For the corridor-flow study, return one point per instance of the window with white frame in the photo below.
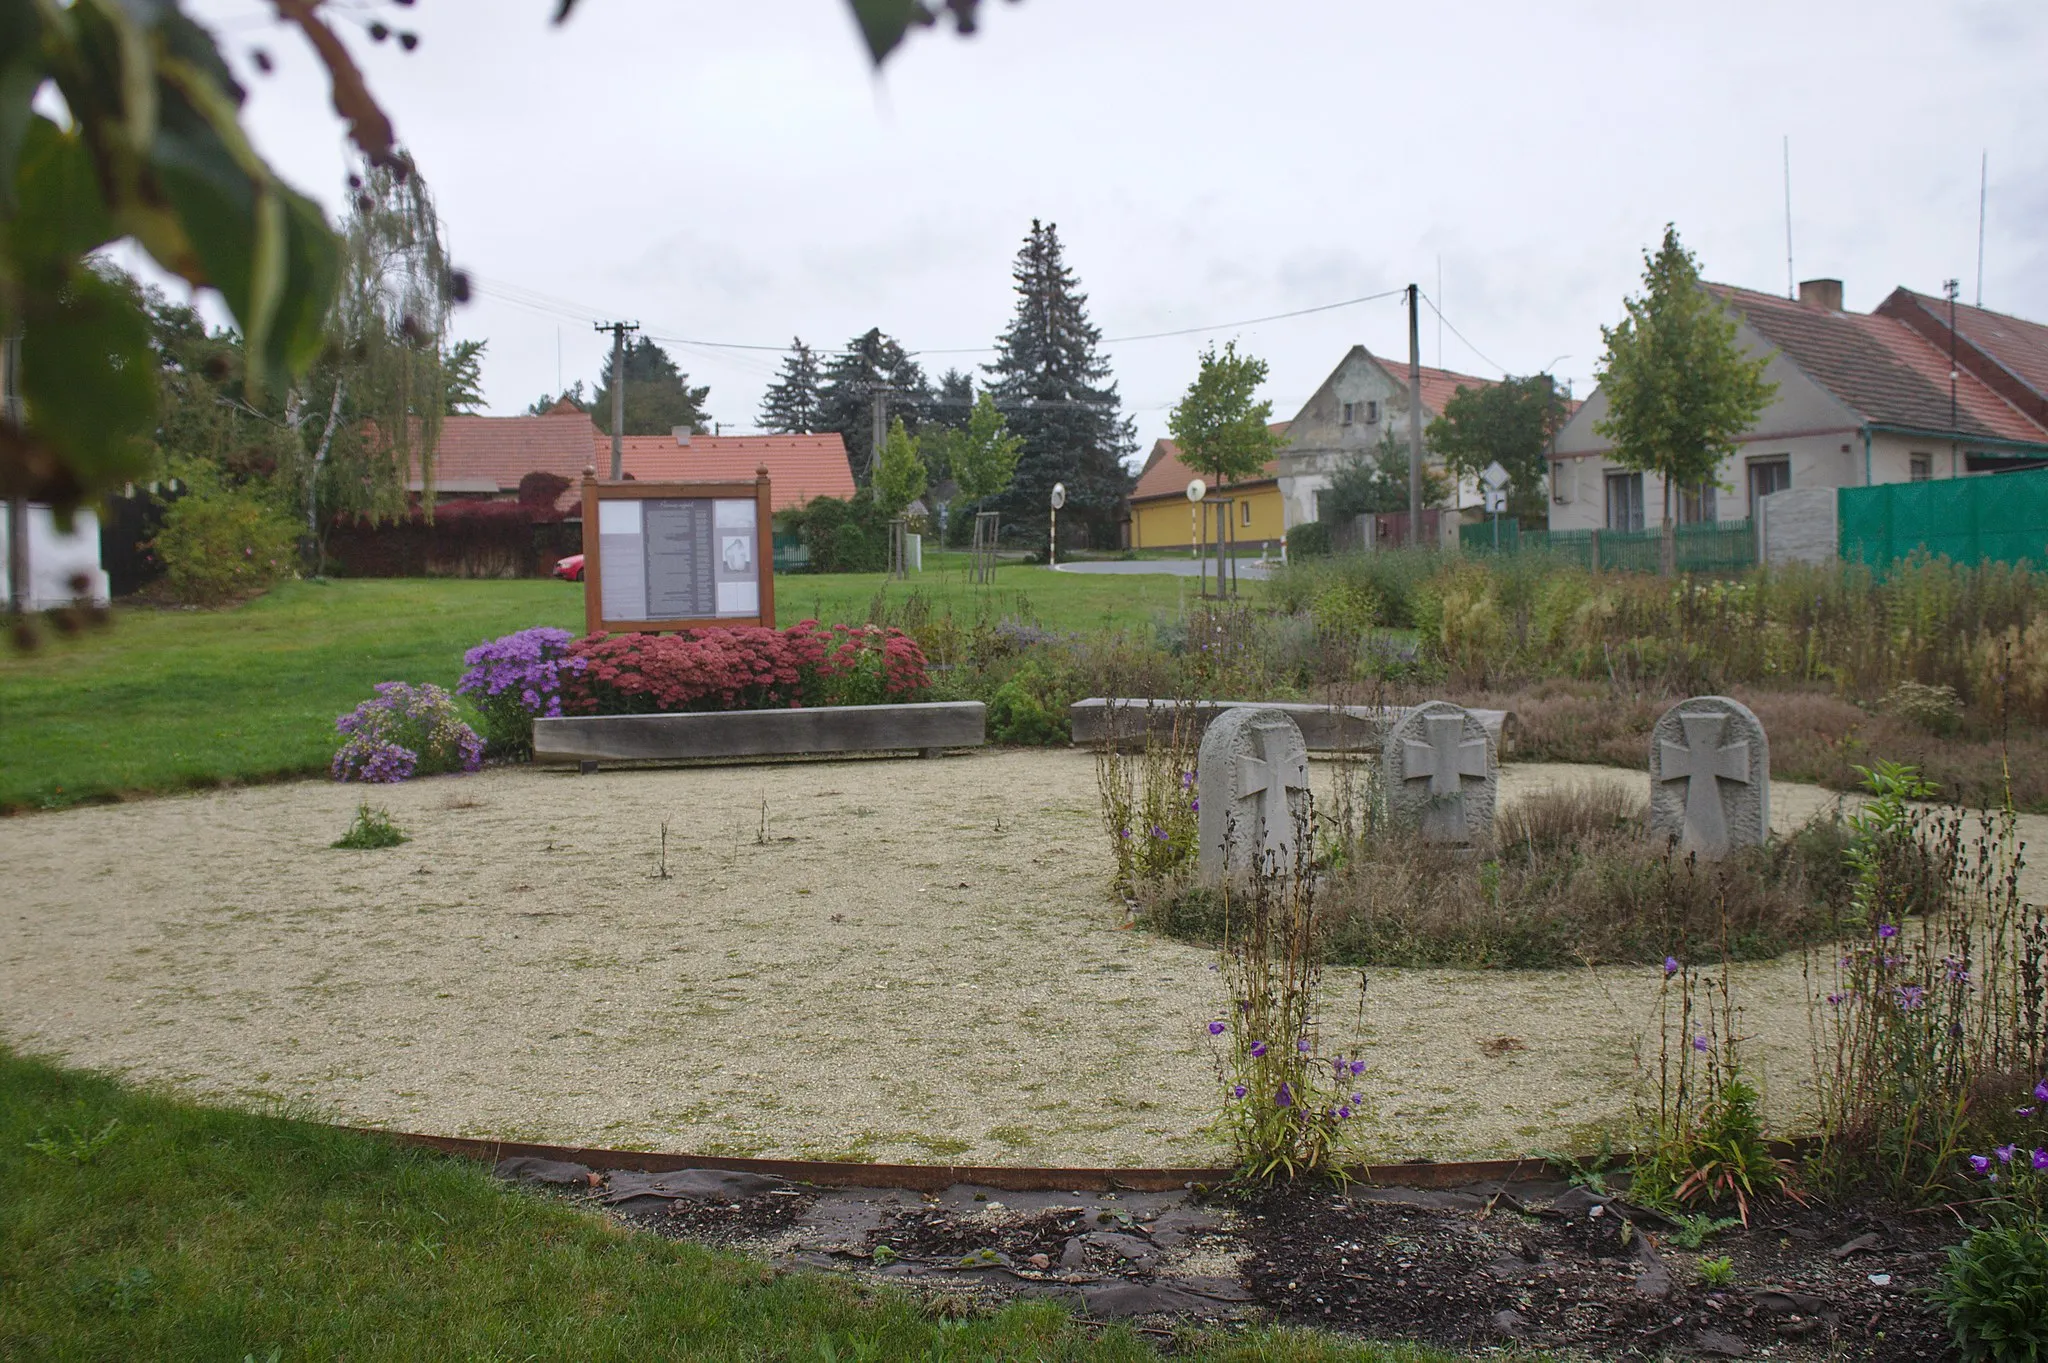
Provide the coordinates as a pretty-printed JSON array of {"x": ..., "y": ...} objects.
[{"x": 1919, "y": 468}]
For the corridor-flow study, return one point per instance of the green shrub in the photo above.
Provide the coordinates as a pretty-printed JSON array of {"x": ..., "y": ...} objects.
[
  {"x": 1937, "y": 709},
  {"x": 842, "y": 536},
  {"x": 1311, "y": 539},
  {"x": 1030, "y": 708},
  {"x": 371, "y": 829},
  {"x": 219, "y": 543},
  {"x": 1995, "y": 1290}
]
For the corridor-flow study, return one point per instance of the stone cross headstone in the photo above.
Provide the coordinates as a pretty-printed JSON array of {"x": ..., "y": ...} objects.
[
  {"x": 1252, "y": 782},
  {"x": 1710, "y": 777},
  {"x": 1442, "y": 774}
]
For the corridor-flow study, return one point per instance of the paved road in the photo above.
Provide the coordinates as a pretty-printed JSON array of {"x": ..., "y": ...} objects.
[{"x": 1172, "y": 567}]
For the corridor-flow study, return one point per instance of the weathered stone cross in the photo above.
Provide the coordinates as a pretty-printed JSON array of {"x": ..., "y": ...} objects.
[
  {"x": 1444, "y": 761},
  {"x": 1272, "y": 776},
  {"x": 1703, "y": 764}
]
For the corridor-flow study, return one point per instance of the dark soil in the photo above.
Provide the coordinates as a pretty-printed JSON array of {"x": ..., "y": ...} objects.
[{"x": 1489, "y": 1267}]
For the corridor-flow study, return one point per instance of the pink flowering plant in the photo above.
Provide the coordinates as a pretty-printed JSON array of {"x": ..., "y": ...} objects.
[
  {"x": 515, "y": 679},
  {"x": 402, "y": 732}
]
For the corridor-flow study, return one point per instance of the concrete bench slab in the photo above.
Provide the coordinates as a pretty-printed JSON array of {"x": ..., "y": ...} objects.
[
  {"x": 924, "y": 726},
  {"x": 1325, "y": 728}
]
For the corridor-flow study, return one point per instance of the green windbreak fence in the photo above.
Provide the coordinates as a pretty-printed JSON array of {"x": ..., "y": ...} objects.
[
  {"x": 1993, "y": 518},
  {"x": 1716, "y": 547}
]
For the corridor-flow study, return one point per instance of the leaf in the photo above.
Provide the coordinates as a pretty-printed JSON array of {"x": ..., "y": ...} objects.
[
  {"x": 62, "y": 214},
  {"x": 21, "y": 72},
  {"x": 884, "y": 22},
  {"x": 88, "y": 385}
]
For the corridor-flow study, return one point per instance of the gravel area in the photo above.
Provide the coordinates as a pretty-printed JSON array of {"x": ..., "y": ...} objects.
[{"x": 884, "y": 959}]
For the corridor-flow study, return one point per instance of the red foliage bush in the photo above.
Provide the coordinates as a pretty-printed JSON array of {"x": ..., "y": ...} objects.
[{"x": 743, "y": 668}]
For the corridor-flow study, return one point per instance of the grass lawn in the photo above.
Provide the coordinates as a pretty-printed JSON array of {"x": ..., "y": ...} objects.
[
  {"x": 149, "y": 1228},
  {"x": 164, "y": 700}
]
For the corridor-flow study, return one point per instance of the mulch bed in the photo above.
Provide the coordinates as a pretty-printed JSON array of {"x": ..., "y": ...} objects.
[{"x": 1537, "y": 1264}]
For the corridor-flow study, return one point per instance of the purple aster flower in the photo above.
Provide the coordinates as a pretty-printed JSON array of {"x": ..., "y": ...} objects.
[
  {"x": 1911, "y": 996},
  {"x": 1187, "y": 778},
  {"x": 1237, "y": 1090},
  {"x": 1838, "y": 999},
  {"x": 1302, "y": 1046},
  {"x": 1258, "y": 1050},
  {"x": 1670, "y": 966},
  {"x": 1981, "y": 1163},
  {"x": 2041, "y": 1090},
  {"x": 2026, "y": 1111},
  {"x": 1337, "y": 1066},
  {"x": 1195, "y": 805},
  {"x": 1357, "y": 1097},
  {"x": 2004, "y": 1153},
  {"x": 1700, "y": 1044},
  {"x": 1123, "y": 832},
  {"x": 1158, "y": 832},
  {"x": 2040, "y": 1158},
  {"x": 1343, "y": 1113},
  {"x": 1285, "y": 1097},
  {"x": 1358, "y": 1067},
  {"x": 1215, "y": 1029},
  {"x": 1887, "y": 931}
]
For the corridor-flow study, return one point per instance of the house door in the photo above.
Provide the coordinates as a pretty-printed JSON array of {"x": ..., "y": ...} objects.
[{"x": 1767, "y": 476}]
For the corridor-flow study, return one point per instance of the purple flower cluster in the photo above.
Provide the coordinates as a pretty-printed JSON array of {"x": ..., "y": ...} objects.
[
  {"x": 515, "y": 679},
  {"x": 402, "y": 732}
]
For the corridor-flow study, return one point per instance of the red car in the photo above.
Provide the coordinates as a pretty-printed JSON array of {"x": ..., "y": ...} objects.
[{"x": 570, "y": 569}]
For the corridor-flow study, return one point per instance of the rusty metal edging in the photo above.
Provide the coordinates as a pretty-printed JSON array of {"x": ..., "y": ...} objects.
[{"x": 933, "y": 1178}]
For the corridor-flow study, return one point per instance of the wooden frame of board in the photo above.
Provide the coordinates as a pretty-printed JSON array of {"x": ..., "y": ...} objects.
[{"x": 597, "y": 492}]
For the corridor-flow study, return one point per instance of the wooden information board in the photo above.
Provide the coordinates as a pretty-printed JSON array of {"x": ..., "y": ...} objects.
[{"x": 667, "y": 556}]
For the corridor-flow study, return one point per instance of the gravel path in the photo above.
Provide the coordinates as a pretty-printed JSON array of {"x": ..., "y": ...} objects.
[{"x": 908, "y": 960}]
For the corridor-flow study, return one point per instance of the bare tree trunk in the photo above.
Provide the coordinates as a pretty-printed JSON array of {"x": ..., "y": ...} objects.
[{"x": 320, "y": 452}]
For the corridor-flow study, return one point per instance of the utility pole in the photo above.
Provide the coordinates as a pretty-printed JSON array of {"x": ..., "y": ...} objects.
[
  {"x": 618, "y": 331},
  {"x": 17, "y": 507},
  {"x": 1414, "y": 415},
  {"x": 879, "y": 409}
]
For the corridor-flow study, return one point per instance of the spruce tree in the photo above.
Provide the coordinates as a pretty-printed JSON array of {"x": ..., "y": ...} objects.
[
  {"x": 846, "y": 399},
  {"x": 1055, "y": 390},
  {"x": 659, "y": 397},
  {"x": 791, "y": 404}
]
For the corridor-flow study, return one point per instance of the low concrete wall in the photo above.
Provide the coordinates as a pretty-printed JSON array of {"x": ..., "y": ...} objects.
[
  {"x": 1797, "y": 526},
  {"x": 923, "y": 727},
  {"x": 1324, "y": 728}
]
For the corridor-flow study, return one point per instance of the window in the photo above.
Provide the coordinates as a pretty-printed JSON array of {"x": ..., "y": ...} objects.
[
  {"x": 1624, "y": 501},
  {"x": 1246, "y": 517},
  {"x": 1316, "y": 504},
  {"x": 1767, "y": 476},
  {"x": 1697, "y": 505},
  {"x": 1372, "y": 413},
  {"x": 1349, "y": 409},
  {"x": 1920, "y": 468}
]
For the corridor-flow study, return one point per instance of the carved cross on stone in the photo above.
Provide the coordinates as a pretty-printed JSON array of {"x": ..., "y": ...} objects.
[
  {"x": 1710, "y": 777},
  {"x": 1446, "y": 747},
  {"x": 1252, "y": 777},
  {"x": 1702, "y": 763}
]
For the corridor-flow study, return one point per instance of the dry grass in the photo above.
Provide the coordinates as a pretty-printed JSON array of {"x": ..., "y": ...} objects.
[
  {"x": 1575, "y": 878},
  {"x": 1815, "y": 735}
]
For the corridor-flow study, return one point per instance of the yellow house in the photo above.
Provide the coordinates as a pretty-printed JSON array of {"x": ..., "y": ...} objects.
[{"x": 1162, "y": 518}]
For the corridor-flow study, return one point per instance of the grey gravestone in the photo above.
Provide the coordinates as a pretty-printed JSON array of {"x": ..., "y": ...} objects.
[
  {"x": 1710, "y": 777},
  {"x": 1252, "y": 781},
  {"x": 1442, "y": 774}
]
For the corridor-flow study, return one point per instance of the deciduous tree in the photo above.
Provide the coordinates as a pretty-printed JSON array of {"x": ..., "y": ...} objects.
[
  {"x": 1679, "y": 388},
  {"x": 1220, "y": 427},
  {"x": 899, "y": 477},
  {"x": 1512, "y": 423}
]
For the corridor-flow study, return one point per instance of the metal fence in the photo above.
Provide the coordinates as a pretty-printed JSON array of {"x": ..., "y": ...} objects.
[
  {"x": 1998, "y": 518},
  {"x": 1713, "y": 547}
]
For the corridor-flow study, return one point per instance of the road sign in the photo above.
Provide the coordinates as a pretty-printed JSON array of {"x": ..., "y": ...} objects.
[{"x": 1494, "y": 476}]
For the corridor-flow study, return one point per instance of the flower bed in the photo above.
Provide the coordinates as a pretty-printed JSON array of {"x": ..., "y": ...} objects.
[
  {"x": 546, "y": 674},
  {"x": 402, "y": 732}
]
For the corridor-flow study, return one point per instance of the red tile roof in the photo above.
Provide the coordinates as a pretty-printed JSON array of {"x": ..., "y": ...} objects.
[
  {"x": 481, "y": 453},
  {"x": 1881, "y": 368},
  {"x": 800, "y": 467},
  {"x": 492, "y": 453},
  {"x": 2010, "y": 353},
  {"x": 1166, "y": 475},
  {"x": 1439, "y": 386}
]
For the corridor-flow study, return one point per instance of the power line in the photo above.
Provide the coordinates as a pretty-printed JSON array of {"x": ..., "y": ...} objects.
[
  {"x": 1188, "y": 331},
  {"x": 1461, "y": 336}
]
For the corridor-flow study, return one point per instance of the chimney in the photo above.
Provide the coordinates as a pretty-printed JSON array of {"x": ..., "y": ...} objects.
[
  {"x": 1825, "y": 294},
  {"x": 682, "y": 433}
]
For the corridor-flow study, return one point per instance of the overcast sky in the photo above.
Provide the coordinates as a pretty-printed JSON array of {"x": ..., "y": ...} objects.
[{"x": 733, "y": 172}]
